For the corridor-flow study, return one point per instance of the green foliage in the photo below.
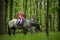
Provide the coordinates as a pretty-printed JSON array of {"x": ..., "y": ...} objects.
[
  {"x": 31, "y": 10},
  {"x": 53, "y": 9}
]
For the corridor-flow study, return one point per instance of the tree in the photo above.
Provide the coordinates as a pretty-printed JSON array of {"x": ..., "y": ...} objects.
[
  {"x": 59, "y": 16},
  {"x": 6, "y": 12},
  {"x": 50, "y": 20},
  {"x": 54, "y": 17},
  {"x": 47, "y": 33},
  {"x": 25, "y": 6},
  {"x": 11, "y": 9},
  {"x": 16, "y": 9},
  {"x": 40, "y": 7},
  {"x": 36, "y": 9},
  {"x": 30, "y": 9},
  {"x": 2, "y": 17}
]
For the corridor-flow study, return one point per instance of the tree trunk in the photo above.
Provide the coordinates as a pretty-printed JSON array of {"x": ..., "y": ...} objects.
[
  {"x": 40, "y": 6},
  {"x": 11, "y": 9},
  {"x": 47, "y": 33},
  {"x": 6, "y": 13},
  {"x": 59, "y": 16},
  {"x": 50, "y": 17},
  {"x": 30, "y": 10},
  {"x": 36, "y": 9},
  {"x": 25, "y": 6},
  {"x": 44, "y": 4},
  {"x": 2, "y": 17},
  {"x": 54, "y": 18}
]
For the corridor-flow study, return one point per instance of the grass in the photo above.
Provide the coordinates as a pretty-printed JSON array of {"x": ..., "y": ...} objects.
[
  {"x": 54, "y": 36},
  {"x": 29, "y": 36}
]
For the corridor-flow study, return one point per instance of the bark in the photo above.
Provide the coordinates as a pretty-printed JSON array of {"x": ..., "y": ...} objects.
[
  {"x": 47, "y": 33},
  {"x": 2, "y": 17},
  {"x": 6, "y": 13},
  {"x": 11, "y": 9},
  {"x": 59, "y": 16}
]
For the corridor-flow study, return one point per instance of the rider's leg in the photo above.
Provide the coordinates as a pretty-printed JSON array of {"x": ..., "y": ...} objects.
[{"x": 17, "y": 21}]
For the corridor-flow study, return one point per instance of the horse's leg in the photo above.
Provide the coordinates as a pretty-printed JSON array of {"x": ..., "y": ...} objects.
[
  {"x": 32, "y": 29},
  {"x": 9, "y": 31},
  {"x": 24, "y": 26},
  {"x": 40, "y": 28},
  {"x": 36, "y": 27},
  {"x": 14, "y": 29},
  {"x": 24, "y": 30}
]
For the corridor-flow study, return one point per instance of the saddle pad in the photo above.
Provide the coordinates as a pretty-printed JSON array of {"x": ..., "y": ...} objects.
[{"x": 19, "y": 22}]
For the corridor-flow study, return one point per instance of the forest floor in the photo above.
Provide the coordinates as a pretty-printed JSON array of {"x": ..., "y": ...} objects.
[{"x": 29, "y": 36}]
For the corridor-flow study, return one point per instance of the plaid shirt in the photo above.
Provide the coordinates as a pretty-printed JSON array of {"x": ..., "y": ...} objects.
[{"x": 21, "y": 16}]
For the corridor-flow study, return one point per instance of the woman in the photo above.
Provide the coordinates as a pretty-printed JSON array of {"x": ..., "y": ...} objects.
[
  {"x": 33, "y": 18},
  {"x": 21, "y": 18}
]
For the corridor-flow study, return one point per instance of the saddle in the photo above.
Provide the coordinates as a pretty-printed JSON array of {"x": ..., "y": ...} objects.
[{"x": 20, "y": 22}]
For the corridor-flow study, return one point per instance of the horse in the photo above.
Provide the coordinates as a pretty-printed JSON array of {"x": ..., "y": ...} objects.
[
  {"x": 27, "y": 24},
  {"x": 13, "y": 26}
]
